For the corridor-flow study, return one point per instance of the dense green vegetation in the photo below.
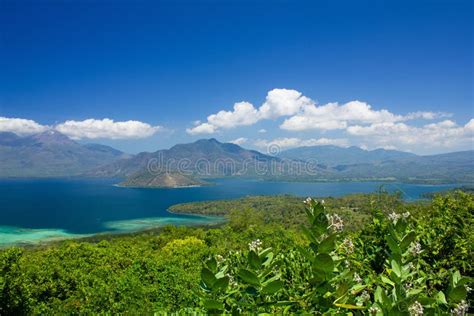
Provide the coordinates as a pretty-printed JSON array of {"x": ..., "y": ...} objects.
[{"x": 363, "y": 254}]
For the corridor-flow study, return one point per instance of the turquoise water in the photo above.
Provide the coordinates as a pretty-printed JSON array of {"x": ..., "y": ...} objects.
[{"x": 38, "y": 209}]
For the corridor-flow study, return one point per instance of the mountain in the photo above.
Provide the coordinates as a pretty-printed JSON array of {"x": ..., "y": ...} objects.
[
  {"x": 50, "y": 154},
  {"x": 205, "y": 158},
  {"x": 354, "y": 163},
  {"x": 333, "y": 155},
  {"x": 162, "y": 180}
]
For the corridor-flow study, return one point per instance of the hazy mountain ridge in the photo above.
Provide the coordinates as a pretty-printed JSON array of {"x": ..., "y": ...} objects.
[
  {"x": 331, "y": 155},
  {"x": 456, "y": 167},
  {"x": 50, "y": 154},
  {"x": 205, "y": 158},
  {"x": 53, "y": 154}
]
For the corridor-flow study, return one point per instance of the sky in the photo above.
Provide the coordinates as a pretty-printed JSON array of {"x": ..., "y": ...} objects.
[{"x": 142, "y": 76}]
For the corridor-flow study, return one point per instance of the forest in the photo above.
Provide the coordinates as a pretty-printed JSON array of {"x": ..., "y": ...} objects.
[{"x": 363, "y": 254}]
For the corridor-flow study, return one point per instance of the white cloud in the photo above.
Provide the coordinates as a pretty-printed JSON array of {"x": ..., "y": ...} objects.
[
  {"x": 106, "y": 128},
  {"x": 262, "y": 131},
  {"x": 303, "y": 114},
  {"x": 334, "y": 116},
  {"x": 283, "y": 102},
  {"x": 291, "y": 142},
  {"x": 244, "y": 113},
  {"x": 279, "y": 102},
  {"x": 426, "y": 115},
  {"x": 239, "y": 141},
  {"x": 445, "y": 134},
  {"x": 204, "y": 128},
  {"x": 21, "y": 126}
]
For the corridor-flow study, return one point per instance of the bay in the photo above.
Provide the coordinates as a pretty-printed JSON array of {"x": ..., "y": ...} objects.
[{"x": 34, "y": 210}]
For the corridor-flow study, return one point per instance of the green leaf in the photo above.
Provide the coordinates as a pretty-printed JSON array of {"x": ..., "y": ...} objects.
[
  {"x": 272, "y": 287},
  {"x": 268, "y": 259},
  {"x": 407, "y": 240},
  {"x": 458, "y": 293},
  {"x": 265, "y": 252},
  {"x": 309, "y": 234},
  {"x": 254, "y": 260},
  {"x": 324, "y": 262},
  {"x": 392, "y": 244},
  {"x": 221, "y": 284},
  {"x": 396, "y": 268},
  {"x": 414, "y": 292},
  {"x": 320, "y": 224},
  {"x": 401, "y": 226},
  {"x": 212, "y": 264},
  {"x": 441, "y": 298},
  {"x": 456, "y": 276},
  {"x": 380, "y": 296},
  {"x": 350, "y": 306},
  {"x": 327, "y": 245},
  {"x": 208, "y": 277},
  {"x": 249, "y": 277},
  {"x": 213, "y": 305},
  {"x": 387, "y": 280}
]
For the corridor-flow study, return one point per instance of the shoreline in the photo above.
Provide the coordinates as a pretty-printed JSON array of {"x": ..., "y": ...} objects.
[{"x": 40, "y": 242}]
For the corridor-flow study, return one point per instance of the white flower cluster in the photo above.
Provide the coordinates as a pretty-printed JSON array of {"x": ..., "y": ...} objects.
[
  {"x": 337, "y": 224},
  {"x": 255, "y": 245},
  {"x": 365, "y": 296},
  {"x": 415, "y": 248},
  {"x": 348, "y": 246},
  {"x": 308, "y": 201},
  {"x": 373, "y": 310},
  {"x": 416, "y": 309},
  {"x": 461, "y": 309},
  {"x": 220, "y": 259},
  {"x": 232, "y": 281},
  {"x": 394, "y": 217},
  {"x": 357, "y": 278}
]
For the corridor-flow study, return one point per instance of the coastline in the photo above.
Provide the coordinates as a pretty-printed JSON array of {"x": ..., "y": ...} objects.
[{"x": 149, "y": 225}]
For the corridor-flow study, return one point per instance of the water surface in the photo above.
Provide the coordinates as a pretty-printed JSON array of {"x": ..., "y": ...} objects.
[{"x": 40, "y": 209}]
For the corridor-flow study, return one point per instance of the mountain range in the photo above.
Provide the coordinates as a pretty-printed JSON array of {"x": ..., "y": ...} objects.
[
  {"x": 331, "y": 155},
  {"x": 52, "y": 154}
]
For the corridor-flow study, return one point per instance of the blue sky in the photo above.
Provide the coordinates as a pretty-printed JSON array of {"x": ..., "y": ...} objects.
[{"x": 169, "y": 64}]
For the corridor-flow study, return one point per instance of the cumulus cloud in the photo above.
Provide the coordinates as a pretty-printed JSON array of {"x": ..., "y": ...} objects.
[
  {"x": 106, "y": 128},
  {"x": 303, "y": 114},
  {"x": 239, "y": 141},
  {"x": 334, "y": 116},
  {"x": 204, "y": 128},
  {"x": 426, "y": 115},
  {"x": 291, "y": 142},
  {"x": 21, "y": 126},
  {"x": 244, "y": 113},
  {"x": 283, "y": 102},
  {"x": 444, "y": 134},
  {"x": 279, "y": 102},
  {"x": 262, "y": 131}
]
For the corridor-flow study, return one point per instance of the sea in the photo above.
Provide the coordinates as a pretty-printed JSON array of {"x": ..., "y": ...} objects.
[{"x": 33, "y": 211}]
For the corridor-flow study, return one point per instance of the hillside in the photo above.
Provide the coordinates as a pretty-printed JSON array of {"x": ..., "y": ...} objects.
[
  {"x": 162, "y": 180},
  {"x": 205, "y": 158},
  {"x": 50, "y": 154},
  {"x": 333, "y": 155}
]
